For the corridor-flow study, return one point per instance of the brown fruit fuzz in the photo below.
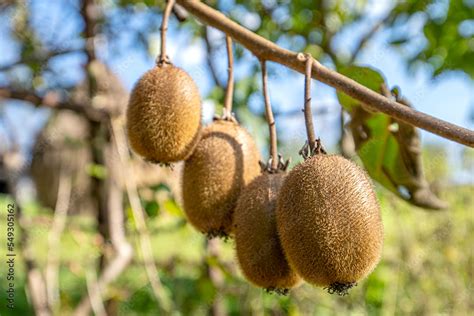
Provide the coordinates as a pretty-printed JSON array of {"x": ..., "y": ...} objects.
[
  {"x": 164, "y": 115},
  {"x": 224, "y": 161},
  {"x": 258, "y": 248},
  {"x": 329, "y": 222}
]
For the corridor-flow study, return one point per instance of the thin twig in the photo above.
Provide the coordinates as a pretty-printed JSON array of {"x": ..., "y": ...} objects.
[
  {"x": 369, "y": 35},
  {"x": 308, "y": 116},
  {"x": 180, "y": 13},
  {"x": 13, "y": 162},
  {"x": 86, "y": 11},
  {"x": 270, "y": 118},
  {"x": 11, "y": 132},
  {"x": 210, "y": 57},
  {"x": 124, "y": 251},
  {"x": 322, "y": 108},
  {"x": 164, "y": 59},
  {"x": 94, "y": 294},
  {"x": 41, "y": 59},
  {"x": 139, "y": 218},
  {"x": 328, "y": 35},
  {"x": 37, "y": 290},
  {"x": 229, "y": 92},
  {"x": 265, "y": 49},
  {"x": 53, "y": 100},
  {"x": 217, "y": 278},
  {"x": 54, "y": 239}
]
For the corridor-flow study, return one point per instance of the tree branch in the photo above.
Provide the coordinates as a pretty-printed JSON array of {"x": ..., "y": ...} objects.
[
  {"x": 107, "y": 193},
  {"x": 40, "y": 58},
  {"x": 116, "y": 227},
  {"x": 308, "y": 115},
  {"x": 161, "y": 295},
  {"x": 209, "y": 57},
  {"x": 87, "y": 11},
  {"x": 163, "y": 57},
  {"x": 369, "y": 35},
  {"x": 52, "y": 100},
  {"x": 270, "y": 119},
  {"x": 229, "y": 91},
  {"x": 14, "y": 166},
  {"x": 54, "y": 239},
  {"x": 97, "y": 302},
  {"x": 180, "y": 13},
  {"x": 265, "y": 49}
]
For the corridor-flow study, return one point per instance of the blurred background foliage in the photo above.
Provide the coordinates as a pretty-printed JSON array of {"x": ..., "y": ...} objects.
[{"x": 427, "y": 267}]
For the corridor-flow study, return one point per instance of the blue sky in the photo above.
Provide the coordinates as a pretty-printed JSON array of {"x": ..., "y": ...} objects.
[{"x": 451, "y": 97}]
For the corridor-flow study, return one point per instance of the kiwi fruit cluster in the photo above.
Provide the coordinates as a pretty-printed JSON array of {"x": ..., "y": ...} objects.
[{"x": 319, "y": 222}]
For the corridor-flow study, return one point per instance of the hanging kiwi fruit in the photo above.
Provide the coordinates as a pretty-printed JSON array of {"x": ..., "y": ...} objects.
[
  {"x": 328, "y": 217},
  {"x": 258, "y": 248},
  {"x": 223, "y": 162},
  {"x": 164, "y": 111}
]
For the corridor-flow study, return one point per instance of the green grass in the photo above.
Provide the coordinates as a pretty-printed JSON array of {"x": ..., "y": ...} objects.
[{"x": 427, "y": 267}]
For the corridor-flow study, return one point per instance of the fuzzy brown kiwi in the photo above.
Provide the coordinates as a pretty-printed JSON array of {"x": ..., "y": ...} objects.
[
  {"x": 164, "y": 115},
  {"x": 224, "y": 161},
  {"x": 258, "y": 248},
  {"x": 329, "y": 222}
]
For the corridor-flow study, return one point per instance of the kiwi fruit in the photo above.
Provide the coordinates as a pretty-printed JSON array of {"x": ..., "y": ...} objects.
[
  {"x": 258, "y": 248},
  {"x": 62, "y": 146},
  {"x": 164, "y": 115},
  {"x": 224, "y": 161},
  {"x": 329, "y": 222}
]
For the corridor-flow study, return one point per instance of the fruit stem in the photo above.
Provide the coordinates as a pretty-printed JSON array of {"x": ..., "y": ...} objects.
[
  {"x": 163, "y": 58},
  {"x": 229, "y": 92},
  {"x": 308, "y": 116},
  {"x": 270, "y": 119}
]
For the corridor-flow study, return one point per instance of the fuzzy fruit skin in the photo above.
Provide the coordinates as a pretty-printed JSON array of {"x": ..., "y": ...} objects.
[
  {"x": 329, "y": 221},
  {"x": 224, "y": 161},
  {"x": 258, "y": 248},
  {"x": 164, "y": 115}
]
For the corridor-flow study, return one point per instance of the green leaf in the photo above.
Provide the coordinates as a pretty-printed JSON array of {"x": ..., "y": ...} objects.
[
  {"x": 160, "y": 187},
  {"x": 152, "y": 208},
  {"x": 390, "y": 150},
  {"x": 366, "y": 76},
  {"x": 173, "y": 208},
  {"x": 97, "y": 171},
  {"x": 399, "y": 41}
]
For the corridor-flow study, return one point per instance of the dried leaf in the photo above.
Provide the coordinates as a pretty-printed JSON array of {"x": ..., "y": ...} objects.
[{"x": 390, "y": 150}]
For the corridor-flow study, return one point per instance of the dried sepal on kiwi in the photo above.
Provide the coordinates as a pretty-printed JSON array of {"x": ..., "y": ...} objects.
[
  {"x": 308, "y": 151},
  {"x": 341, "y": 289},
  {"x": 282, "y": 165}
]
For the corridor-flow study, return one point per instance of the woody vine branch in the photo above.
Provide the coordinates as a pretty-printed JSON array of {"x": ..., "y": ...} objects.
[
  {"x": 267, "y": 50},
  {"x": 270, "y": 119}
]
